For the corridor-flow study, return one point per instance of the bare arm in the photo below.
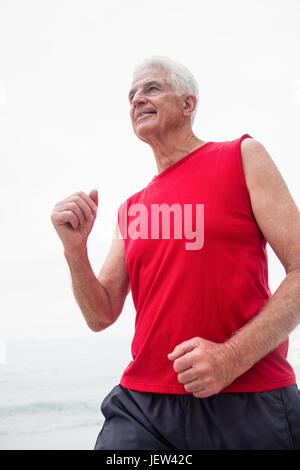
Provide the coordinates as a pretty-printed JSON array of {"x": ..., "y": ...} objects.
[
  {"x": 89, "y": 293},
  {"x": 100, "y": 299},
  {"x": 114, "y": 277},
  {"x": 279, "y": 220},
  {"x": 205, "y": 367}
]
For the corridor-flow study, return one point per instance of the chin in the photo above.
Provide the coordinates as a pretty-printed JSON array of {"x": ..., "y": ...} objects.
[{"x": 143, "y": 131}]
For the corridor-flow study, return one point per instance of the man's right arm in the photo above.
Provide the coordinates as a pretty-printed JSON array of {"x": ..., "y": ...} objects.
[{"x": 100, "y": 299}]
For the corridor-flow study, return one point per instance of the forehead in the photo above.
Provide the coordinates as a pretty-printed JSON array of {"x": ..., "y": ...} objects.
[{"x": 149, "y": 74}]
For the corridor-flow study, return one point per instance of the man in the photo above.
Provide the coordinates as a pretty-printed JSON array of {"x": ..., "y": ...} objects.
[{"x": 209, "y": 368}]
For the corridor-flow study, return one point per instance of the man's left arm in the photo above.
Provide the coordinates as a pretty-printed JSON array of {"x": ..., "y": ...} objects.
[{"x": 204, "y": 367}]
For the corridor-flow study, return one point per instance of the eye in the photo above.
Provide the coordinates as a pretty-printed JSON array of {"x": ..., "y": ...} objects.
[{"x": 152, "y": 88}]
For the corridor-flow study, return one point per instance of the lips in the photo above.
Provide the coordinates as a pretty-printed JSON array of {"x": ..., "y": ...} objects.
[{"x": 140, "y": 114}]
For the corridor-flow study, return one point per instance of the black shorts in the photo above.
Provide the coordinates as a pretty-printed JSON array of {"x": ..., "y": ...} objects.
[{"x": 226, "y": 421}]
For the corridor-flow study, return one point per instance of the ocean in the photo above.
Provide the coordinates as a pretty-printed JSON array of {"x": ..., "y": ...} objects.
[{"x": 51, "y": 390}]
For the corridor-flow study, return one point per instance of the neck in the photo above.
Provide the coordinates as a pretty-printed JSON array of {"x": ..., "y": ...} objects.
[{"x": 173, "y": 147}]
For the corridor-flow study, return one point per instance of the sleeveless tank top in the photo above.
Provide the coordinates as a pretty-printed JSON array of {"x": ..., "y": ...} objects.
[{"x": 198, "y": 266}]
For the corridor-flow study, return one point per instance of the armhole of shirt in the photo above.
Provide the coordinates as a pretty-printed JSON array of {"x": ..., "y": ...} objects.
[
  {"x": 122, "y": 220},
  {"x": 241, "y": 173},
  {"x": 122, "y": 227}
]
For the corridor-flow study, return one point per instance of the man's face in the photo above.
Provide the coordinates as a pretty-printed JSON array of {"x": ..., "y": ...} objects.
[{"x": 155, "y": 109}]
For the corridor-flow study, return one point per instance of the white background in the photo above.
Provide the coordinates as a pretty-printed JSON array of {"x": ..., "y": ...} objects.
[{"x": 65, "y": 71}]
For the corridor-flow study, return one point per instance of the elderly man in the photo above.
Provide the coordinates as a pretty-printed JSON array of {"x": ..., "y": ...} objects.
[{"x": 209, "y": 367}]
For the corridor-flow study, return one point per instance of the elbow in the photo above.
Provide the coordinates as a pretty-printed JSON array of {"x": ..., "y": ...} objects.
[
  {"x": 96, "y": 327},
  {"x": 100, "y": 322}
]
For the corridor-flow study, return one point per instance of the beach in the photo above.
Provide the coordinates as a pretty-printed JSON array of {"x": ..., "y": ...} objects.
[
  {"x": 51, "y": 392},
  {"x": 62, "y": 439}
]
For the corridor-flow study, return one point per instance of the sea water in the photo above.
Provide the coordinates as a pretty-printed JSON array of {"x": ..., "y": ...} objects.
[{"x": 51, "y": 390}]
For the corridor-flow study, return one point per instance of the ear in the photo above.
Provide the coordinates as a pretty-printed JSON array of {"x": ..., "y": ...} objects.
[{"x": 189, "y": 104}]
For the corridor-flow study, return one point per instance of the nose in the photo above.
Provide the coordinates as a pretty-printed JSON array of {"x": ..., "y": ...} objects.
[{"x": 138, "y": 98}]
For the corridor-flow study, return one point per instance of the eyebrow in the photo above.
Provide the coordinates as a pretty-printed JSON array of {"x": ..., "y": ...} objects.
[{"x": 152, "y": 82}]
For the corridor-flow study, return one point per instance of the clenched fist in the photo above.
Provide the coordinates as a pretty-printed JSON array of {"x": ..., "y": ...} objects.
[
  {"x": 74, "y": 217},
  {"x": 204, "y": 367}
]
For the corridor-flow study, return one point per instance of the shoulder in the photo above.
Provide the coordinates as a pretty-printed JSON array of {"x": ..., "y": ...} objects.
[
  {"x": 257, "y": 163},
  {"x": 252, "y": 149},
  {"x": 250, "y": 146},
  {"x": 274, "y": 208}
]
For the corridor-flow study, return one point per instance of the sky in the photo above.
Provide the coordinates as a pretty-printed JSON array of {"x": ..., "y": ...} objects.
[{"x": 65, "y": 72}]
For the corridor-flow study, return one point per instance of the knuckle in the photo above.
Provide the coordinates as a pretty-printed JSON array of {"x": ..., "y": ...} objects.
[
  {"x": 197, "y": 353},
  {"x": 196, "y": 342},
  {"x": 74, "y": 207},
  {"x": 180, "y": 379},
  {"x": 65, "y": 216},
  {"x": 206, "y": 370}
]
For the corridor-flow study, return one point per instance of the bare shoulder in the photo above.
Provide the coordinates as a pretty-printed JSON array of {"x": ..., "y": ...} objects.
[
  {"x": 259, "y": 165},
  {"x": 273, "y": 206}
]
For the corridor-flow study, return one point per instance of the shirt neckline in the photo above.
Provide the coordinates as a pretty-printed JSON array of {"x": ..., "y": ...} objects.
[{"x": 179, "y": 162}]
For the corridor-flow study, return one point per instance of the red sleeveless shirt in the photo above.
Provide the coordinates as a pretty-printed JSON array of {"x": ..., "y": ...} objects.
[{"x": 198, "y": 266}]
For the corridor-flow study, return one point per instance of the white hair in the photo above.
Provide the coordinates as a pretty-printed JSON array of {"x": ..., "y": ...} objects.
[{"x": 177, "y": 75}]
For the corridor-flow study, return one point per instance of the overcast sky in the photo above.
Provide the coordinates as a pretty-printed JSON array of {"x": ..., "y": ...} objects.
[{"x": 65, "y": 72}]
